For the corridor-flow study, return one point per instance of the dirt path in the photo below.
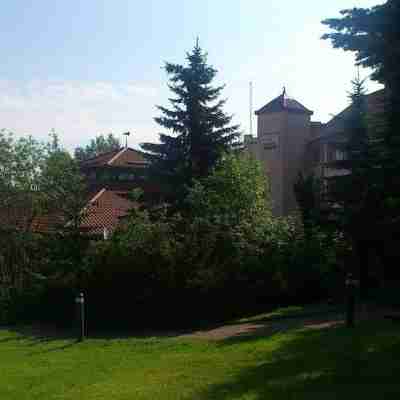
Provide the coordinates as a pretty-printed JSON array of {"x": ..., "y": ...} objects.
[
  {"x": 265, "y": 328},
  {"x": 261, "y": 327},
  {"x": 270, "y": 327}
]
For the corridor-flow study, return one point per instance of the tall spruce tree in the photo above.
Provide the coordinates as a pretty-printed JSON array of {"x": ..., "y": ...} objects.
[
  {"x": 348, "y": 189},
  {"x": 350, "y": 194},
  {"x": 199, "y": 129},
  {"x": 374, "y": 35}
]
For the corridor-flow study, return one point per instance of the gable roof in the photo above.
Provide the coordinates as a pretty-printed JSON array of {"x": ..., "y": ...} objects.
[
  {"x": 105, "y": 211},
  {"x": 283, "y": 103},
  {"x": 125, "y": 157}
]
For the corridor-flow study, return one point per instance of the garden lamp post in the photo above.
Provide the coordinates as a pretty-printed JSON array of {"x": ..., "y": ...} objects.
[
  {"x": 80, "y": 303},
  {"x": 351, "y": 287}
]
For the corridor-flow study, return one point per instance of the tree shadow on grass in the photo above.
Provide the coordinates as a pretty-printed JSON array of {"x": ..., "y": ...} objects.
[
  {"x": 324, "y": 363},
  {"x": 51, "y": 338},
  {"x": 47, "y": 333}
]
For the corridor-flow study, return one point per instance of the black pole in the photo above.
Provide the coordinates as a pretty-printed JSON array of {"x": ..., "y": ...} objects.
[
  {"x": 351, "y": 285},
  {"x": 80, "y": 301}
]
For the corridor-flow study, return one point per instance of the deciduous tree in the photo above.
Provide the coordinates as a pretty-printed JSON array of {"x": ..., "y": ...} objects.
[{"x": 100, "y": 144}]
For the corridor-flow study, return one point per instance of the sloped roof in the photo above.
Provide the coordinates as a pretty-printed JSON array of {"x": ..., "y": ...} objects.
[
  {"x": 105, "y": 210},
  {"x": 125, "y": 157},
  {"x": 24, "y": 219},
  {"x": 283, "y": 103},
  {"x": 334, "y": 128}
]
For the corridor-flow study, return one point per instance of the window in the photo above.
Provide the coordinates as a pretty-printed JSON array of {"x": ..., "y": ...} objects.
[
  {"x": 339, "y": 155},
  {"x": 333, "y": 153},
  {"x": 126, "y": 176},
  {"x": 270, "y": 140}
]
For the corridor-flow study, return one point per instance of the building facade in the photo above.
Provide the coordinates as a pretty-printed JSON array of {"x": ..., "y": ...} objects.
[
  {"x": 288, "y": 143},
  {"x": 110, "y": 177}
]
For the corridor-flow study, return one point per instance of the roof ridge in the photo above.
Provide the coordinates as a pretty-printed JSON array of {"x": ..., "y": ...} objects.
[
  {"x": 110, "y": 162},
  {"x": 97, "y": 195},
  {"x": 100, "y": 155}
]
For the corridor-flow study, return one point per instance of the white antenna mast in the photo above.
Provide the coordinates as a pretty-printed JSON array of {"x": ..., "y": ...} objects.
[
  {"x": 251, "y": 108},
  {"x": 126, "y": 134}
]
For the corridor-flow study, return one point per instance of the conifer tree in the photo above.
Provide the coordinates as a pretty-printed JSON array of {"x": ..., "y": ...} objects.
[
  {"x": 352, "y": 193},
  {"x": 347, "y": 190},
  {"x": 374, "y": 36},
  {"x": 199, "y": 130}
]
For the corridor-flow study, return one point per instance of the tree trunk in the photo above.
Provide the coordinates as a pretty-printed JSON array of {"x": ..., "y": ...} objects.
[{"x": 362, "y": 251}]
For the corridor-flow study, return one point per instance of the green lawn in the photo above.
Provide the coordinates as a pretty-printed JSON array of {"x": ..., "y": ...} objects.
[{"x": 334, "y": 363}]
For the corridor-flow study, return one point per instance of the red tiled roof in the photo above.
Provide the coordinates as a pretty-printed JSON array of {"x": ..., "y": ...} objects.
[
  {"x": 105, "y": 210},
  {"x": 106, "y": 204},
  {"x": 22, "y": 217},
  {"x": 125, "y": 157}
]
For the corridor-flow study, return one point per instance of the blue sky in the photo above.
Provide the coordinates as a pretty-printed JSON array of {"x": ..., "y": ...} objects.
[{"x": 95, "y": 66}]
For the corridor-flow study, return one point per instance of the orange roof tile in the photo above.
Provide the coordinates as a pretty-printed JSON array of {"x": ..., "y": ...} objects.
[{"x": 105, "y": 211}]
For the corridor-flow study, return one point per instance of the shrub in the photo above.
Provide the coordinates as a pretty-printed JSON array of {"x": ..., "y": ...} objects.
[{"x": 223, "y": 257}]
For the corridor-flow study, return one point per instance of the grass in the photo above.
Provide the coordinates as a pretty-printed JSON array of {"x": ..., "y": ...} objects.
[{"x": 296, "y": 364}]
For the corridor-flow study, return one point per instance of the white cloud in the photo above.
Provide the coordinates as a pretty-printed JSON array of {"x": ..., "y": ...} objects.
[{"x": 79, "y": 110}]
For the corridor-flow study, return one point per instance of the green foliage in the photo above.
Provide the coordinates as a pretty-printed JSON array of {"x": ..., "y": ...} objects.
[
  {"x": 200, "y": 129},
  {"x": 236, "y": 190},
  {"x": 308, "y": 195},
  {"x": 21, "y": 162},
  {"x": 351, "y": 191},
  {"x": 36, "y": 178},
  {"x": 59, "y": 175},
  {"x": 168, "y": 269},
  {"x": 176, "y": 271},
  {"x": 100, "y": 144},
  {"x": 40, "y": 187},
  {"x": 224, "y": 256},
  {"x": 374, "y": 35}
]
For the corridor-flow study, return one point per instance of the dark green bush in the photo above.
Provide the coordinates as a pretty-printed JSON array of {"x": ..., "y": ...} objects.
[
  {"x": 225, "y": 256},
  {"x": 178, "y": 271}
]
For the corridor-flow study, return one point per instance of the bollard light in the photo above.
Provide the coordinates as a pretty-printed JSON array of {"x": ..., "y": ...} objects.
[
  {"x": 80, "y": 302},
  {"x": 351, "y": 286}
]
